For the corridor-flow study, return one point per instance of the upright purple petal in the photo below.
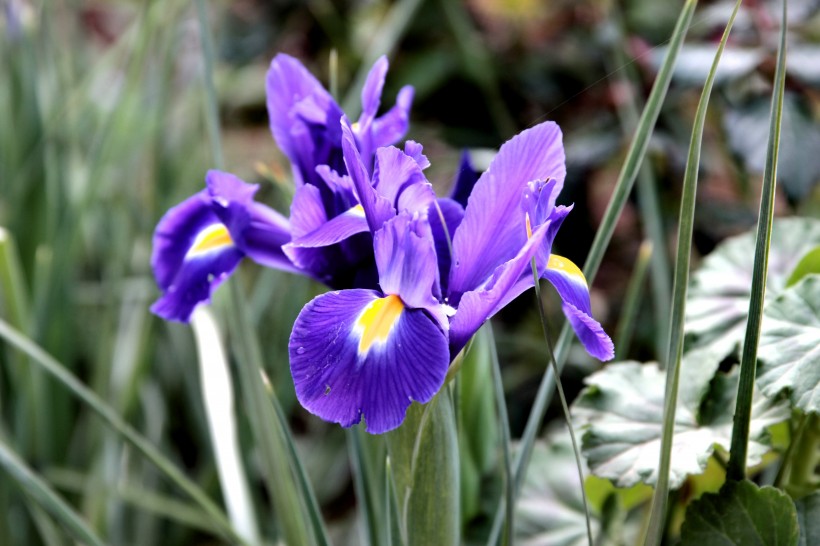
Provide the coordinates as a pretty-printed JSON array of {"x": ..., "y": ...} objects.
[
  {"x": 377, "y": 209},
  {"x": 571, "y": 285},
  {"x": 357, "y": 354},
  {"x": 372, "y": 91},
  {"x": 416, "y": 151},
  {"x": 493, "y": 229},
  {"x": 390, "y": 127},
  {"x": 406, "y": 260}
]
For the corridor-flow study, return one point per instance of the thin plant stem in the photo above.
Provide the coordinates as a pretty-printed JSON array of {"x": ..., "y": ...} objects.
[
  {"x": 564, "y": 406},
  {"x": 632, "y": 299}
]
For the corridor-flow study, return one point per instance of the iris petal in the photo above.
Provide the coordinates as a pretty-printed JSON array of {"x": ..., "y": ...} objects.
[
  {"x": 493, "y": 229},
  {"x": 406, "y": 260},
  {"x": 476, "y": 306},
  {"x": 390, "y": 127},
  {"x": 340, "y": 383},
  {"x": 377, "y": 209},
  {"x": 571, "y": 285}
]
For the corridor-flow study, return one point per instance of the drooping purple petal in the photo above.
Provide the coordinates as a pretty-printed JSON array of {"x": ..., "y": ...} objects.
[
  {"x": 406, "y": 260},
  {"x": 307, "y": 211},
  {"x": 195, "y": 279},
  {"x": 175, "y": 234},
  {"x": 493, "y": 229},
  {"x": 571, "y": 285},
  {"x": 466, "y": 177},
  {"x": 477, "y": 305},
  {"x": 355, "y": 354}
]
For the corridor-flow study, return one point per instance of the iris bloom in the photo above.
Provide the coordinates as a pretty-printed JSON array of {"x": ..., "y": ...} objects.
[
  {"x": 370, "y": 353},
  {"x": 198, "y": 243}
]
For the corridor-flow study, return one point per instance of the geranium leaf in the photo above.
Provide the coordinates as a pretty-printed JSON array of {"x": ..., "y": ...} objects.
[
  {"x": 808, "y": 518},
  {"x": 621, "y": 409},
  {"x": 741, "y": 514},
  {"x": 718, "y": 300},
  {"x": 790, "y": 345}
]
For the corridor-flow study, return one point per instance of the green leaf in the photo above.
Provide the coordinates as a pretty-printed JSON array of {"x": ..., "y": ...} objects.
[
  {"x": 46, "y": 497},
  {"x": 424, "y": 461},
  {"x": 808, "y": 518},
  {"x": 790, "y": 345},
  {"x": 810, "y": 263},
  {"x": 718, "y": 301},
  {"x": 550, "y": 509},
  {"x": 621, "y": 409},
  {"x": 741, "y": 514}
]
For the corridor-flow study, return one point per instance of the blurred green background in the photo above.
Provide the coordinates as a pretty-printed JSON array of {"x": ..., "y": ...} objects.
[{"x": 103, "y": 129}]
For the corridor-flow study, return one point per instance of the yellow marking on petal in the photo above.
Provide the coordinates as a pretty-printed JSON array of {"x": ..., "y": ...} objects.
[
  {"x": 358, "y": 210},
  {"x": 377, "y": 320},
  {"x": 559, "y": 263},
  {"x": 355, "y": 126},
  {"x": 211, "y": 238},
  {"x": 529, "y": 225}
]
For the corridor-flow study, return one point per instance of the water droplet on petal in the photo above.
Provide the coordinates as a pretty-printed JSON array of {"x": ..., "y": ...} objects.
[{"x": 300, "y": 351}]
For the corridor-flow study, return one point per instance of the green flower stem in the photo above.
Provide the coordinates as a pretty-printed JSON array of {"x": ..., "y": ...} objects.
[
  {"x": 657, "y": 518},
  {"x": 743, "y": 410}
]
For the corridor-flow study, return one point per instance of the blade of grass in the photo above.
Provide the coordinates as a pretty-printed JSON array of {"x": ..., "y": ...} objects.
[
  {"x": 629, "y": 172},
  {"x": 217, "y": 394},
  {"x": 626, "y": 324},
  {"x": 364, "y": 482},
  {"x": 46, "y": 362},
  {"x": 736, "y": 469},
  {"x": 46, "y": 497},
  {"x": 657, "y": 518}
]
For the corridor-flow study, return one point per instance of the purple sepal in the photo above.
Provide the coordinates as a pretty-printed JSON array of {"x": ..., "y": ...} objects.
[
  {"x": 590, "y": 333},
  {"x": 443, "y": 233},
  {"x": 341, "y": 384},
  {"x": 493, "y": 228}
]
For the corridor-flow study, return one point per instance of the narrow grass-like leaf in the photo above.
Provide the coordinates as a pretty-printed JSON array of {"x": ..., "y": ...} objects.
[
  {"x": 632, "y": 299},
  {"x": 13, "y": 297},
  {"x": 365, "y": 481},
  {"x": 657, "y": 518},
  {"x": 627, "y": 176},
  {"x": 736, "y": 469},
  {"x": 217, "y": 394},
  {"x": 46, "y": 497},
  {"x": 109, "y": 415}
]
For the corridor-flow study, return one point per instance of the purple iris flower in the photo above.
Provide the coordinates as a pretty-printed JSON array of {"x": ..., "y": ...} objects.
[
  {"x": 198, "y": 243},
  {"x": 329, "y": 234},
  {"x": 370, "y": 353}
]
